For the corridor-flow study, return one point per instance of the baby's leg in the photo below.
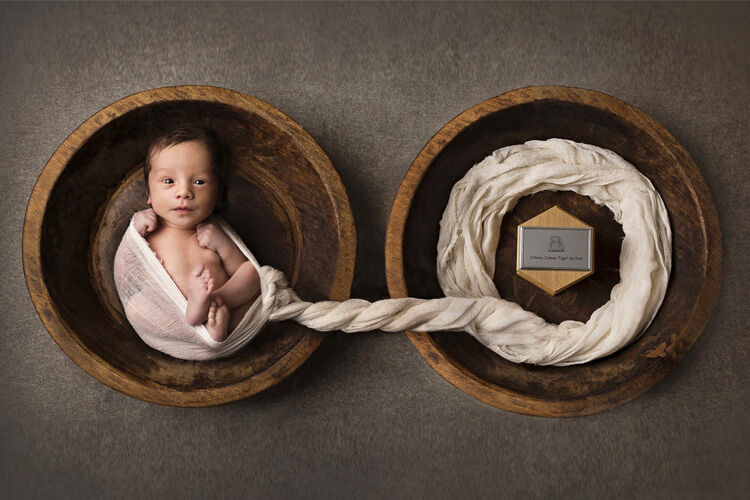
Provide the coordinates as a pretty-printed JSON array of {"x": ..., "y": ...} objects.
[
  {"x": 217, "y": 323},
  {"x": 243, "y": 286},
  {"x": 200, "y": 287}
]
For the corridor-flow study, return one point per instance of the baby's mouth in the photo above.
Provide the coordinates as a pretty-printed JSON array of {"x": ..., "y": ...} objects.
[{"x": 182, "y": 209}]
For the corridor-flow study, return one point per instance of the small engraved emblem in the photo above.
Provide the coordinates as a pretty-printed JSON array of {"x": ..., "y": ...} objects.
[{"x": 556, "y": 244}]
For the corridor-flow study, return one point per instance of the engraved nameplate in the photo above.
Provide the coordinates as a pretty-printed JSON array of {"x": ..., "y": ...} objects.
[{"x": 558, "y": 248}]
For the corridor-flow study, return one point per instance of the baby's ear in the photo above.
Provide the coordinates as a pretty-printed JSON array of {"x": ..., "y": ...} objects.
[{"x": 148, "y": 200}]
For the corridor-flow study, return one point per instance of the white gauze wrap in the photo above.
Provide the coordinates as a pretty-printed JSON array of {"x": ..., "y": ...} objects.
[{"x": 469, "y": 234}]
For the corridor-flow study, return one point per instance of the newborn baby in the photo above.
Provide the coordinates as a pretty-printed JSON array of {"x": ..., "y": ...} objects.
[{"x": 186, "y": 180}]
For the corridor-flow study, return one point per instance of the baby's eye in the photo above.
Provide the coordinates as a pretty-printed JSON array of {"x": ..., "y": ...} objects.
[
  {"x": 199, "y": 182},
  {"x": 168, "y": 181}
]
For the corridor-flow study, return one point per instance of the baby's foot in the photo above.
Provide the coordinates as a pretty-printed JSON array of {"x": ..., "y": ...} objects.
[
  {"x": 200, "y": 287},
  {"x": 218, "y": 320}
]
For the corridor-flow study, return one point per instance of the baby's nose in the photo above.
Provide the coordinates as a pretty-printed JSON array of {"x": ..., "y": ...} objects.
[{"x": 184, "y": 192}]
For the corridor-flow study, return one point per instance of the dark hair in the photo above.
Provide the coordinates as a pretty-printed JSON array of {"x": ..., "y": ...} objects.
[{"x": 216, "y": 148}]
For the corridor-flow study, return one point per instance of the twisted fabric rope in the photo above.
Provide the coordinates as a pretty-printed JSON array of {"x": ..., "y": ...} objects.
[{"x": 469, "y": 234}]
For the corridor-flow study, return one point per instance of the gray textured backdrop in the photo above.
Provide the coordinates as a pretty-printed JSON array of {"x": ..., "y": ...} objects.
[{"x": 365, "y": 414}]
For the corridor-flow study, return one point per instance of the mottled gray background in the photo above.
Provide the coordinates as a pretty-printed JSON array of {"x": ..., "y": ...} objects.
[{"x": 365, "y": 414}]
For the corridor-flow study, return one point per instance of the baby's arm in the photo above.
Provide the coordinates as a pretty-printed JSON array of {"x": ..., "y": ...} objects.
[
  {"x": 145, "y": 221},
  {"x": 244, "y": 282},
  {"x": 212, "y": 237}
]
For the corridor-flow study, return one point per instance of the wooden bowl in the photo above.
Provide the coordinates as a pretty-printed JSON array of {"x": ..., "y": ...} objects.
[
  {"x": 583, "y": 116},
  {"x": 285, "y": 199}
]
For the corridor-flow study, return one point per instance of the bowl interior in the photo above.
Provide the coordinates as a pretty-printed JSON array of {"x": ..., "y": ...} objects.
[
  {"x": 277, "y": 203},
  {"x": 544, "y": 119}
]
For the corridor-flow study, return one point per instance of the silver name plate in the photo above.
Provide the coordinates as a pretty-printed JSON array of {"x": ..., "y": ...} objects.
[{"x": 560, "y": 248}]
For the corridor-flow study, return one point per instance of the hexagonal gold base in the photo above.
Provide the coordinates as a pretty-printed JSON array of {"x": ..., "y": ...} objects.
[{"x": 553, "y": 281}]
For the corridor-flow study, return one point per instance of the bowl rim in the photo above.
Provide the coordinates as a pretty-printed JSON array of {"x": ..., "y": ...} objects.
[
  {"x": 503, "y": 397},
  {"x": 100, "y": 368}
]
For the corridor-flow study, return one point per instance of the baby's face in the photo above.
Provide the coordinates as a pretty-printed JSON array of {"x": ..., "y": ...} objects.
[{"x": 182, "y": 186}]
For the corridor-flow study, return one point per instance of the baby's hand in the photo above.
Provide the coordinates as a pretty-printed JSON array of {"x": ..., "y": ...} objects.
[
  {"x": 212, "y": 237},
  {"x": 145, "y": 221}
]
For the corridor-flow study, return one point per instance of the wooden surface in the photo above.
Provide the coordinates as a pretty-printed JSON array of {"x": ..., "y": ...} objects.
[
  {"x": 584, "y": 116},
  {"x": 557, "y": 280},
  {"x": 285, "y": 200}
]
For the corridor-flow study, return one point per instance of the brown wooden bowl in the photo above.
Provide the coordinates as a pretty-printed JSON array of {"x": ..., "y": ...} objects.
[
  {"x": 285, "y": 200},
  {"x": 583, "y": 116}
]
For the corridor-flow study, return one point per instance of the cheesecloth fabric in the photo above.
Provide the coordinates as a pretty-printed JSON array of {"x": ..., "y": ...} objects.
[{"x": 469, "y": 234}]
